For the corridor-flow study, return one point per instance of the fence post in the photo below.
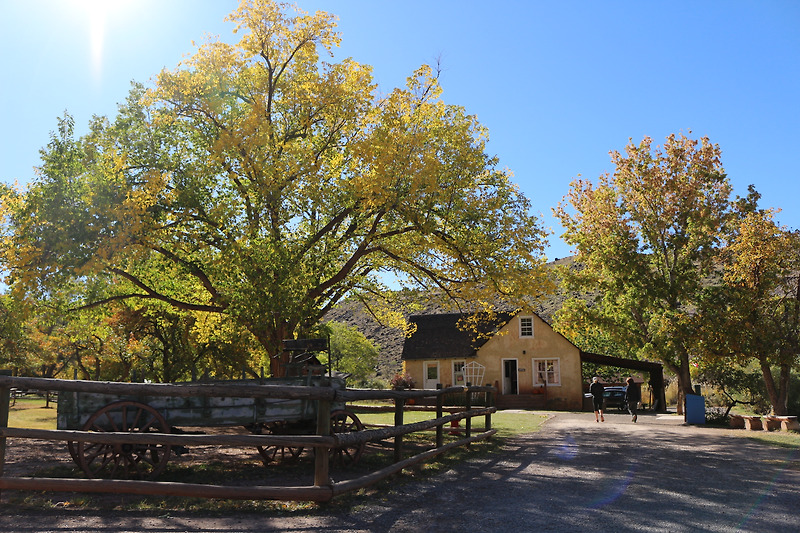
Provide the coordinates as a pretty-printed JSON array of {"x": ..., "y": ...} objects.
[
  {"x": 399, "y": 403},
  {"x": 5, "y": 396},
  {"x": 489, "y": 403},
  {"x": 468, "y": 404},
  {"x": 322, "y": 455},
  {"x": 439, "y": 428}
]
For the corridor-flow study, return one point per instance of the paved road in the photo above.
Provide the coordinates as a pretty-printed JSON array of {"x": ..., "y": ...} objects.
[{"x": 575, "y": 475}]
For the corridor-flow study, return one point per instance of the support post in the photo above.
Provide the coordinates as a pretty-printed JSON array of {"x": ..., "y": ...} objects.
[
  {"x": 399, "y": 404},
  {"x": 489, "y": 403},
  {"x": 468, "y": 404},
  {"x": 322, "y": 455},
  {"x": 439, "y": 428},
  {"x": 5, "y": 397}
]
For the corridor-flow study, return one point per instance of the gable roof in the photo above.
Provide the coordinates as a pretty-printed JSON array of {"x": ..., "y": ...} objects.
[{"x": 439, "y": 337}]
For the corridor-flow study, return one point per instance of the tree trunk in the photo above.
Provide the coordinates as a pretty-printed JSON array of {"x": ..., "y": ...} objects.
[
  {"x": 772, "y": 390},
  {"x": 781, "y": 407},
  {"x": 271, "y": 336},
  {"x": 684, "y": 381}
]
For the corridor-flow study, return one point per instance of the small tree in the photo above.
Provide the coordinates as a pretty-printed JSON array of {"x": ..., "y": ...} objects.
[
  {"x": 352, "y": 353},
  {"x": 738, "y": 385}
]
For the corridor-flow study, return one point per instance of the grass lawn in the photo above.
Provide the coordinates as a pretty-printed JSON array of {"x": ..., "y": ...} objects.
[
  {"x": 30, "y": 412},
  {"x": 507, "y": 424},
  {"x": 784, "y": 439}
]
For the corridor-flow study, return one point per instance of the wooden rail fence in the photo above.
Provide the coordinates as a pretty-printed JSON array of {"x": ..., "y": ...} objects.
[{"x": 323, "y": 488}]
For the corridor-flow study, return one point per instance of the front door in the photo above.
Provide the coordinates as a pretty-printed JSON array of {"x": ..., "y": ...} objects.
[
  {"x": 510, "y": 376},
  {"x": 430, "y": 374}
]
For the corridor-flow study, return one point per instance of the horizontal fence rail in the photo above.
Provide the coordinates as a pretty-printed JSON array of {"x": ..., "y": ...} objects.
[
  {"x": 218, "y": 390},
  {"x": 324, "y": 440}
]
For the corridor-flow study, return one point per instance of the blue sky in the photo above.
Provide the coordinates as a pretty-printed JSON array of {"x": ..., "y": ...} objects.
[{"x": 558, "y": 84}]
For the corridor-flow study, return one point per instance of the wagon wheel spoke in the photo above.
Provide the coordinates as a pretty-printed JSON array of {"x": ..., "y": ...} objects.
[
  {"x": 72, "y": 446},
  {"x": 97, "y": 457},
  {"x": 93, "y": 450},
  {"x": 108, "y": 422},
  {"x": 343, "y": 421},
  {"x": 270, "y": 453},
  {"x": 124, "y": 460},
  {"x": 140, "y": 463}
]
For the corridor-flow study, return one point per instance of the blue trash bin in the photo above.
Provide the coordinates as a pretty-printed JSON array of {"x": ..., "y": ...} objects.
[{"x": 695, "y": 409}]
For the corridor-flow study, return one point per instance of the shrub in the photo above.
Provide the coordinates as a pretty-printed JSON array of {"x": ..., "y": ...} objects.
[
  {"x": 717, "y": 416},
  {"x": 402, "y": 381}
]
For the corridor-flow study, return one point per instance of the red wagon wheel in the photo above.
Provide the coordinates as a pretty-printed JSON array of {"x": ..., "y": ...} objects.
[
  {"x": 123, "y": 460},
  {"x": 271, "y": 453},
  {"x": 343, "y": 421}
]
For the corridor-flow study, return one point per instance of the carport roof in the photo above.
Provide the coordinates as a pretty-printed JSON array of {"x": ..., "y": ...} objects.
[{"x": 621, "y": 362}]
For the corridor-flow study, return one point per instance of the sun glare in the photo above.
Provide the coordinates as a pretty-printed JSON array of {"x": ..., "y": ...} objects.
[
  {"x": 96, "y": 11},
  {"x": 96, "y": 14}
]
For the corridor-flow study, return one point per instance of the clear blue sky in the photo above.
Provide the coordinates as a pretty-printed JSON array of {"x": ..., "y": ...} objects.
[{"x": 558, "y": 83}]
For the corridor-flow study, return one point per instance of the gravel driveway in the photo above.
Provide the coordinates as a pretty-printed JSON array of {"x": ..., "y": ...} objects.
[{"x": 574, "y": 475}]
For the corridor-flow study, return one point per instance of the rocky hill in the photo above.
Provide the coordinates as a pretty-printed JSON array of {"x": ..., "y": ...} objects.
[{"x": 389, "y": 341}]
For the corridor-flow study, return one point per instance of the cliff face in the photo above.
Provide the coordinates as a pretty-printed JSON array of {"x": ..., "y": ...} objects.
[{"x": 389, "y": 341}]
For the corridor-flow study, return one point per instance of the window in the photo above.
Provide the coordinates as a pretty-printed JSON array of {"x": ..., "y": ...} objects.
[
  {"x": 526, "y": 326},
  {"x": 433, "y": 371},
  {"x": 546, "y": 371},
  {"x": 458, "y": 373}
]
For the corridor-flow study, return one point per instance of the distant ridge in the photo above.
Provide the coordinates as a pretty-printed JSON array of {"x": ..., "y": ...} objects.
[{"x": 390, "y": 340}]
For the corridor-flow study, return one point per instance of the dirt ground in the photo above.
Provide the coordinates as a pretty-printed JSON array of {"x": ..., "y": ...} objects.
[
  {"x": 574, "y": 475},
  {"x": 31, "y": 458}
]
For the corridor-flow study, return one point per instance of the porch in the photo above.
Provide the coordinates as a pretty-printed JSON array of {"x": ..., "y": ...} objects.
[{"x": 521, "y": 401}]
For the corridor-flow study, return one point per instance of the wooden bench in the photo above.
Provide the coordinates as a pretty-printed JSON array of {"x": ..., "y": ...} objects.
[
  {"x": 752, "y": 423},
  {"x": 737, "y": 422},
  {"x": 784, "y": 423}
]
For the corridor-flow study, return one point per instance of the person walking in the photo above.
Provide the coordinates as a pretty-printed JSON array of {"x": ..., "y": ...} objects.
[
  {"x": 596, "y": 389},
  {"x": 632, "y": 398}
]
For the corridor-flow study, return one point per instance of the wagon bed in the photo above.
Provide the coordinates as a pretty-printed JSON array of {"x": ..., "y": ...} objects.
[{"x": 103, "y": 412}]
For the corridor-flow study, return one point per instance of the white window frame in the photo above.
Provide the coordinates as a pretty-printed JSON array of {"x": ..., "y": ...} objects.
[
  {"x": 463, "y": 381},
  {"x": 556, "y": 372},
  {"x": 523, "y": 334}
]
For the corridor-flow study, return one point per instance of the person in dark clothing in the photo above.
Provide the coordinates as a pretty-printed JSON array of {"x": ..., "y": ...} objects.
[
  {"x": 596, "y": 389},
  {"x": 632, "y": 397}
]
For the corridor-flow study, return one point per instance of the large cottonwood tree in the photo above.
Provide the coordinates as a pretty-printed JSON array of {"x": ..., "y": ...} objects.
[
  {"x": 646, "y": 238},
  {"x": 261, "y": 181}
]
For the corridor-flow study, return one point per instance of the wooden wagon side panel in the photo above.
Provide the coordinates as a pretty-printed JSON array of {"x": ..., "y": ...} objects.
[
  {"x": 74, "y": 409},
  {"x": 207, "y": 411}
]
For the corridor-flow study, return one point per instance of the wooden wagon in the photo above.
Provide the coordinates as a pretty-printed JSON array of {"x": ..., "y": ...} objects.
[{"x": 100, "y": 412}]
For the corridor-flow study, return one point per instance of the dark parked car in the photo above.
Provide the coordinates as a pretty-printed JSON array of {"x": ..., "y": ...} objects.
[{"x": 615, "y": 397}]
